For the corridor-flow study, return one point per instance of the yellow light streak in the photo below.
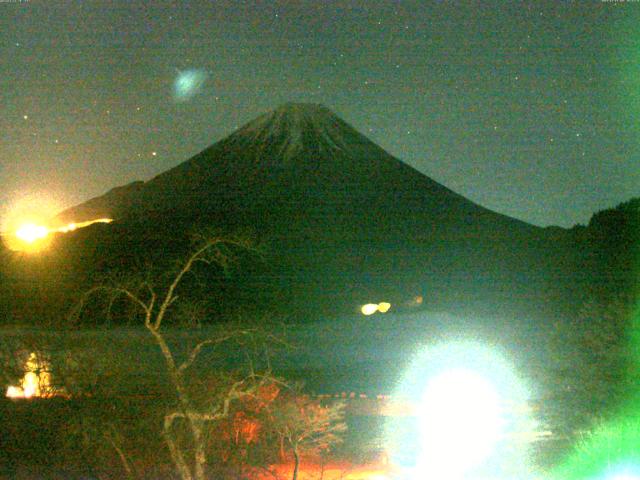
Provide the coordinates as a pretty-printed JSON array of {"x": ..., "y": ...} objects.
[
  {"x": 70, "y": 227},
  {"x": 32, "y": 236}
]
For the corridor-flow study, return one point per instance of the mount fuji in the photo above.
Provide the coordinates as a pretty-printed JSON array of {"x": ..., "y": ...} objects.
[{"x": 346, "y": 222}]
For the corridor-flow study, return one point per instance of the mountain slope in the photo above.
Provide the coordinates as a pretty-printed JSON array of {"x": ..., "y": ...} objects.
[
  {"x": 298, "y": 154},
  {"x": 342, "y": 216}
]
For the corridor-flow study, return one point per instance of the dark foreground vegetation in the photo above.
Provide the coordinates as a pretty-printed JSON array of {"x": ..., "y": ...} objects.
[
  {"x": 154, "y": 387},
  {"x": 121, "y": 390}
]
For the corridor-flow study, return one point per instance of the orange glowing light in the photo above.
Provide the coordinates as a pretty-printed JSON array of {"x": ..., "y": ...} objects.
[
  {"x": 25, "y": 221},
  {"x": 29, "y": 236},
  {"x": 36, "y": 382},
  {"x": 334, "y": 470},
  {"x": 30, "y": 232},
  {"x": 32, "y": 236}
]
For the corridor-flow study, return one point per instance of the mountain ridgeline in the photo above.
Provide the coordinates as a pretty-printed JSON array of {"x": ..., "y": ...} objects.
[{"x": 342, "y": 222}]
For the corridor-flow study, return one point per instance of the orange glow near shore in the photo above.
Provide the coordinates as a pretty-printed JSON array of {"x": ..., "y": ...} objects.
[
  {"x": 36, "y": 382},
  {"x": 33, "y": 236},
  {"x": 378, "y": 470}
]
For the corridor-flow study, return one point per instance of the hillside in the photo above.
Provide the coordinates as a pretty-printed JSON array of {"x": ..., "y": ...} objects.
[{"x": 344, "y": 222}]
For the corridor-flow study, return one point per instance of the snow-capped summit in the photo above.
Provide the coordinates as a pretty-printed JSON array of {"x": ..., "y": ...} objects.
[{"x": 333, "y": 204}]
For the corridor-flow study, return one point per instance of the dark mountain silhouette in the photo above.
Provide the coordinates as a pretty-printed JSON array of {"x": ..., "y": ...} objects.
[
  {"x": 608, "y": 249},
  {"x": 345, "y": 221},
  {"x": 299, "y": 159}
]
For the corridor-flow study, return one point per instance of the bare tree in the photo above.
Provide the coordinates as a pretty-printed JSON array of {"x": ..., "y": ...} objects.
[
  {"x": 306, "y": 426},
  {"x": 185, "y": 428}
]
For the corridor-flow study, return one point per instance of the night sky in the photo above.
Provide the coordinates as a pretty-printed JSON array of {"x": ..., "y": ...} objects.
[{"x": 528, "y": 108}]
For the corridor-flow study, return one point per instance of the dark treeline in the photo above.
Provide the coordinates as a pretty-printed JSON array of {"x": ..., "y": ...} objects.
[
  {"x": 577, "y": 320},
  {"x": 586, "y": 263}
]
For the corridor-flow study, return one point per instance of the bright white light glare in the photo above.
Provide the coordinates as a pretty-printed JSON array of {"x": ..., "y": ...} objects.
[
  {"x": 460, "y": 422},
  {"x": 469, "y": 416},
  {"x": 369, "y": 308},
  {"x": 625, "y": 472},
  {"x": 30, "y": 232}
]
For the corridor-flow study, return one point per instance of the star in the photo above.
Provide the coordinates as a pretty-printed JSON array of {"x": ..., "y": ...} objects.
[{"x": 223, "y": 53}]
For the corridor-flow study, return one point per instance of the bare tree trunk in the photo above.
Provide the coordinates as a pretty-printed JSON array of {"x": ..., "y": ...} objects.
[
  {"x": 191, "y": 465},
  {"x": 200, "y": 457},
  {"x": 176, "y": 378},
  {"x": 282, "y": 454},
  {"x": 176, "y": 454},
  {"x": 322, "y": 465},
  {"x": 123, "y": 458},
  {"x": 296, "y": 464},
  {"x": 195, "y": 423}
]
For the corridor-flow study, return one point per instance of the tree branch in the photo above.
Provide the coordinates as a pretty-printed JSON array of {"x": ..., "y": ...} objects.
[
  {"x": 174, "y": 450},
  {"x": 198, "y": 348}
]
